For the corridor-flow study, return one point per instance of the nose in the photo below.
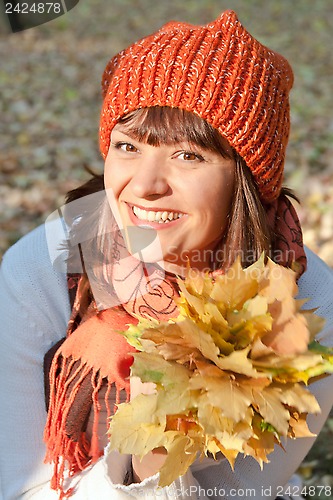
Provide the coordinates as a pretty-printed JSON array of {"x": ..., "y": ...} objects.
[{"x": 150, "y": 179}]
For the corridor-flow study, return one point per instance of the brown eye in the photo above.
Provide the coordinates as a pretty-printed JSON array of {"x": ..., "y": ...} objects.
[
  {"x": 190, "y": 156},
  {"x": 126, "y": 146}
]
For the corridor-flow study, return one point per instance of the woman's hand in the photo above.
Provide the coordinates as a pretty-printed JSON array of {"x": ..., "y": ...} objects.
[
  {"x": 153, "y": 461},
  {"x": 149, "y": 465}
]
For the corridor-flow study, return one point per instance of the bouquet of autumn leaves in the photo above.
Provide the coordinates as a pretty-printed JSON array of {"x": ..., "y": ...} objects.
[{"x": 230, "y": 372}]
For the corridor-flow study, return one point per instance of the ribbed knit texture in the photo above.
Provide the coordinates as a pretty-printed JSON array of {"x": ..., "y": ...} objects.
[{"x": 220, "y": 73}]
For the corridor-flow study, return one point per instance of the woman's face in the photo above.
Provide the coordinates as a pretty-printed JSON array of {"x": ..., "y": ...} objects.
[{"x": 180, "y": 190}]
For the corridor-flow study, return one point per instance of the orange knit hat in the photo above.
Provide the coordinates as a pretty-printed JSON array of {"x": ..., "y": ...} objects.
[{"x": 220, "y": 73}]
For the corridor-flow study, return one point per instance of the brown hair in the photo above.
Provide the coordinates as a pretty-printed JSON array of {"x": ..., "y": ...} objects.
[{"x": 247, "y": 233}]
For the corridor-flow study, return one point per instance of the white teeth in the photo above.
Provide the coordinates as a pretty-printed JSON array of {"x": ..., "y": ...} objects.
[
  {"x": 160, "y": 217},
  {"x": 139, "y": 212},
  {"x": 151, "y": 216}
]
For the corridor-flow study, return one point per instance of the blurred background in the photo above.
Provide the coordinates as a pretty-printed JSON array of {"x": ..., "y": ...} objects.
[{"x": 50, "y": 103}]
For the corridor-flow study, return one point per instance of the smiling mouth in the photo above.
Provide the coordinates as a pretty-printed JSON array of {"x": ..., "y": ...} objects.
[{"x": 161, "y": 217}]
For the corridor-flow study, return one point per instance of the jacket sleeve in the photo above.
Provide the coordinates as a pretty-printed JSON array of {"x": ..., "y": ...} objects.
[{"x": 34, "y": 311}]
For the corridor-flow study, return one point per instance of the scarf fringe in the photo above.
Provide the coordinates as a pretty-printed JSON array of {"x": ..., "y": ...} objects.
[{"x": 69, "y": 453}]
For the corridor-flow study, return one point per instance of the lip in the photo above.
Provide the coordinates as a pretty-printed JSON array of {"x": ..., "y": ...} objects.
[{"x": 155, "y": 225}]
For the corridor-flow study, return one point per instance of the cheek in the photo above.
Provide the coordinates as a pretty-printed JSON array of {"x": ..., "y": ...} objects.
[
  {"x": 108, "y": 173},
  {"x": 110, "y": 183},
  {"x": 113, "y": 177},
  {"x": 214, "y": 195},
  {"x": 113, "y": 189}
]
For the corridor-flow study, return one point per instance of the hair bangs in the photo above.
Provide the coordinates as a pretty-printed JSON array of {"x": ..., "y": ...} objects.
[{"x": 164, "y": 125}]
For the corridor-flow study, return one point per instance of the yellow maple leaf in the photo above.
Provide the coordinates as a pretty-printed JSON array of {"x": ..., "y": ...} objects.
[
  {"x": 298, "y": 426},
  {"x": 291, "y": 368},
  {"x": 172, "y": 378},
  {"x": 239, "y": 362},
  {"x": 181, "y": 354},
  {"x": 268, "y": 404},
  {"x": 299, "y": 397},
  {"x": 234, "y": 288},
  {"x": 182, "y": 451},
  {"x": 259, "y": 447},
  {"x": 315, "y": 323},
  {"x": 199, "y": 339},
  {"x": 278, "y": 283},
  {"x": 290, "y": 337},
  {"x": 135, "y": 428},
  {"x": 214, "y": 447},
  {"x": 236, "y": 398},
  {"x": 260, "y": 351}
]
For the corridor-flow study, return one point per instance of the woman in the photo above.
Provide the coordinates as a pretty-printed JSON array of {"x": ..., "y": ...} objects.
[{"x": 193, "y": 131}]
